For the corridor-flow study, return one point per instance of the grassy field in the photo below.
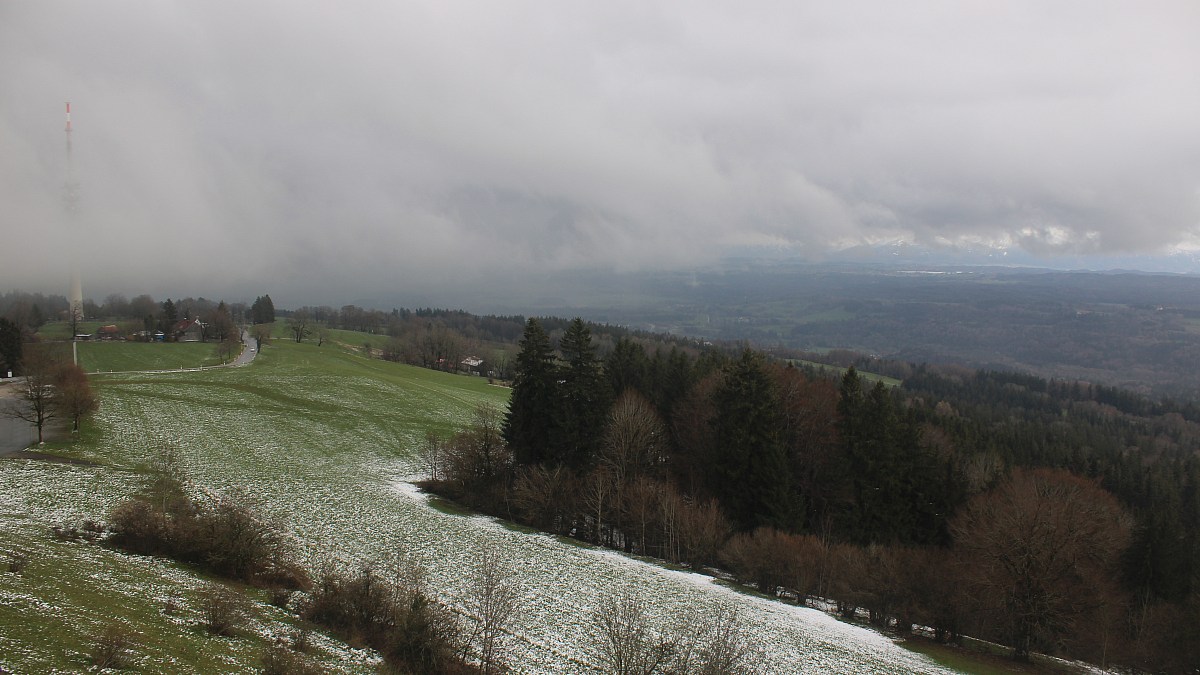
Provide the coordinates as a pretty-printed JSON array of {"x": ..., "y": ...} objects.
[
  {"x": 826, "y": 368},
  {"x": 116, "y": 357},
  {"x": 61, "y": 330},
  {"x": 325, "y": 440}
]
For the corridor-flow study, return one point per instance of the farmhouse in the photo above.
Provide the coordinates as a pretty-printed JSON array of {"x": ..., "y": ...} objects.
[
  {"x": 472, "y": 364},
  {"x": 188, "y": 330}
]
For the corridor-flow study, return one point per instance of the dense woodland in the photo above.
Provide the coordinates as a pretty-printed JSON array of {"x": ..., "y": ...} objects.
[{"x": 1050, "y": 516}]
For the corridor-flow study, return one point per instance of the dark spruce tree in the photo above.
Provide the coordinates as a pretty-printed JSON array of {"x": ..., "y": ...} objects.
[
  {"x": 625, "y": 368},
  {"x": 895, "y": 490},
  {"x": 263, "y": 310},
  {"x": 750, "y": 471},
  {"x": 10, "y": 347},
  {"x": 583, "y": 398},
  {"x": 170, "y": 315},
  {"x": 530, "y": 421}
]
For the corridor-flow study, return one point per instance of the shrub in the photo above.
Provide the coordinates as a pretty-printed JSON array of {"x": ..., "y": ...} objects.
[
  {"x": 89, "y": 531},
  {"x": 224, "y": 610},
  {"x": 232, "y": 540},
  {"x": 302, "y": 640},
  {"x": 112, "y": 647},
  {"x": 172, "y": 605},
  {"x": 223, "y": 534},
  {"x": 16, "y": 561},
  {"x": 279, "y": 597},
  {"x": 139, "y": 527},
  {"x": 413, "y": 632}
]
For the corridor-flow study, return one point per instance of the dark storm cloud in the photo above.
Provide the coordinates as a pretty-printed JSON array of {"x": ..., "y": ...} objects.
[{"x": 420, "y": 143}]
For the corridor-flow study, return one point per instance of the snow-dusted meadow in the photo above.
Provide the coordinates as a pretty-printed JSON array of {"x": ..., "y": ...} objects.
[{"x": 327, "y": 441}]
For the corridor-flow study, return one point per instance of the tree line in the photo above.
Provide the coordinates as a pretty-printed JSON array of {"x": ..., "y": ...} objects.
[{"x": 1036, "y": 514}]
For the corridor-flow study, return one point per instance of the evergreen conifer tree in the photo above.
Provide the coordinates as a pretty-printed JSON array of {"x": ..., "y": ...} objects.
[
  {"x": 170, "y": 315},
  {"x": 895, "y": 489},
  {"x": 584, "y": 399},
  {"x": 625, "y": 368},
  {"x": 263, "y": 310},
  {"x": 10, "y": 347},
  {"x": 751, "y": 472},
  {"x": 530, "y": 421}
]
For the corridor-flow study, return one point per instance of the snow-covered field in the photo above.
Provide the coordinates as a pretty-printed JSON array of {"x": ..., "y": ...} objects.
[{"x": 327, "y": 444}]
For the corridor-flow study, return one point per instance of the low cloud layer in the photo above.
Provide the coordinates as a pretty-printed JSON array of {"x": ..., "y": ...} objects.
[{"x": 229, "y": 144}]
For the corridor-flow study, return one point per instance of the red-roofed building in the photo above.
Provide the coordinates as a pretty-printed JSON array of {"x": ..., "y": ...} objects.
[{"x": 188, "y": 330}]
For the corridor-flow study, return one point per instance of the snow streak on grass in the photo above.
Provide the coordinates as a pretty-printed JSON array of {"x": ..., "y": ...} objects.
[{"x": 325, "y": 440}]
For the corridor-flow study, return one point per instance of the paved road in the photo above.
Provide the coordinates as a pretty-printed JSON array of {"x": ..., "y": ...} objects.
[{"x": 248, "y": 351}]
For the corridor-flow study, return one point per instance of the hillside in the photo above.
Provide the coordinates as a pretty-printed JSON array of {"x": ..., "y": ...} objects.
[{"x": 325, "y": 440}]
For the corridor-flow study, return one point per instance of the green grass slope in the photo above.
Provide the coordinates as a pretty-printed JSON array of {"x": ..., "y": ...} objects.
[
  {"x": 116, "y": 357},
  {"x": 300, "y": 428}
]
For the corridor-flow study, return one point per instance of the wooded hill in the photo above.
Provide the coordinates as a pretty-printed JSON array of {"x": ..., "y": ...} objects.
[{"x": 1050, "y": 516}]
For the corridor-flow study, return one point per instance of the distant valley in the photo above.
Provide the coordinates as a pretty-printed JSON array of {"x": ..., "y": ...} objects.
[{"x": 1131, "y": 329}]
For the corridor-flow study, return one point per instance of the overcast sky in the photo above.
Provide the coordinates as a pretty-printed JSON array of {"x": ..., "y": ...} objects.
[{"x": 282, "y": 144}]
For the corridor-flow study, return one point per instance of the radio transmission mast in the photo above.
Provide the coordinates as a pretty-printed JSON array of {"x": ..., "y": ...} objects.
[{"x": 71, "y": 202}]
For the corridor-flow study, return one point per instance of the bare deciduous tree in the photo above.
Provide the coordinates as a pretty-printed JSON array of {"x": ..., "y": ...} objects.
[
  {"x": 627, "y": 642},
  {"x": 598, "y": 498},
  {"x": 476, "y": 456},
  {"x": 74, "y": 398},
  {"x": 546, "y": 497},
  {"x": 432, "y": 454},
  {"x": 1039, "y": 550},
  {"x": 709, "y": 642},
  {"x": 703, "y": 528},
  {"x": 37, "y": 404},
  {"x": 495, "y": 598},
  {"x": 639, "y": 504},
  {"x": 713, "y": 643},
  {"x": 299, "y": 324},
  {"x": 262, "y": 335},
  {"x": 229, "y": 347},
  {"x": 635, "y": 439}
]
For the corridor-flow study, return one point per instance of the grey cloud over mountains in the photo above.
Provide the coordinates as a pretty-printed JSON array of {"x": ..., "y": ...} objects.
[{"x": 424, "y": 142}]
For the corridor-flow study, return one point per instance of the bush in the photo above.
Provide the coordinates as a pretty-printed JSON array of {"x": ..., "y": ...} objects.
[
  {"x": 232, "y": 540},
  {"x": 112, "y": 647},
  {"x": 302, "y": 640},
  {"x": 139, "y": 527},
  {"x": 413, "y": 632},
  {"x": 89, "y": 531},
  {"x": 279, "y": 597},
  {"x": 223, "y": 534},
  {"x": 224, "y": 610},
  {"x": 16, "y": 561}
]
